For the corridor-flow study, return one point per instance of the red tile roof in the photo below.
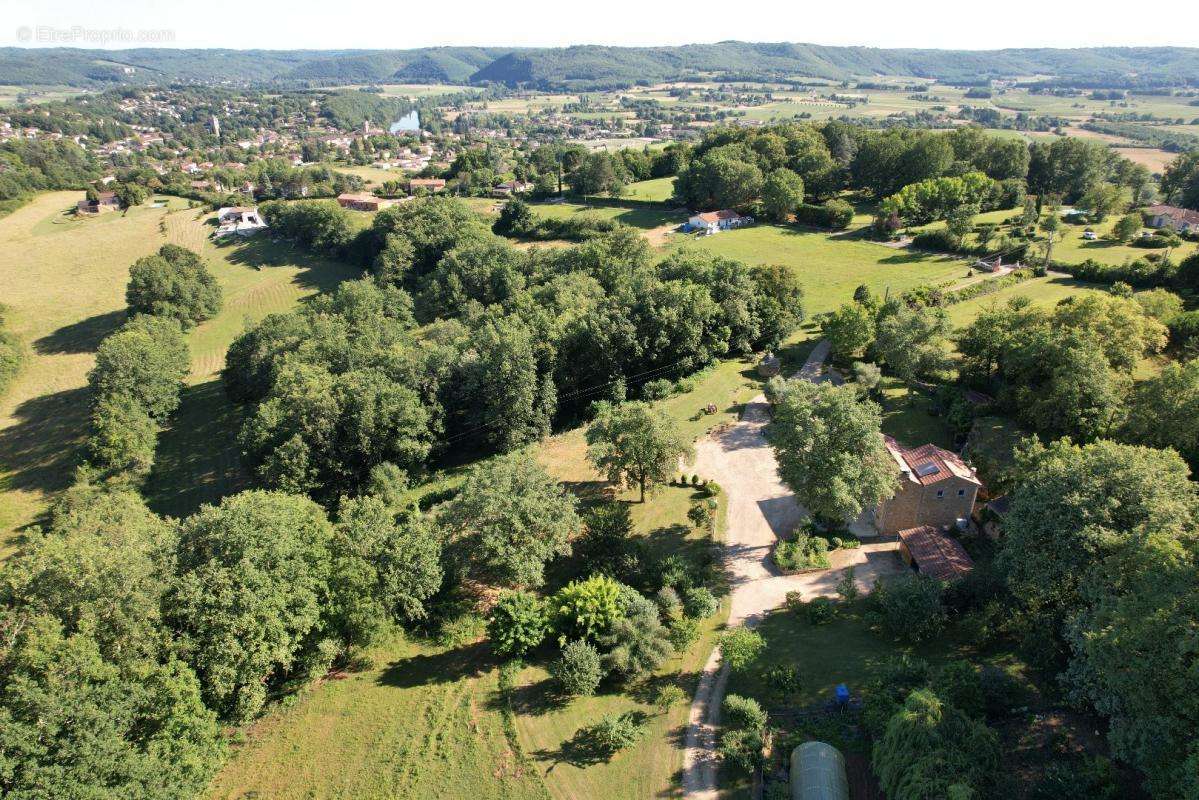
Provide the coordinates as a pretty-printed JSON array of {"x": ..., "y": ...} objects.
[
  {"x": 717, "y": 216},
  {"x": 935, "y": 554},
  {"x": 929, "y": 464},
  {"x": 1182, "y": 214}
]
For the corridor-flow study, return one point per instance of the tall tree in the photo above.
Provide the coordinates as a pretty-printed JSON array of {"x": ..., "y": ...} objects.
[
  {"x": 635, "y": 445},
  {"x": 830, "y": 449},
  {"x": 509, "y": 519}
]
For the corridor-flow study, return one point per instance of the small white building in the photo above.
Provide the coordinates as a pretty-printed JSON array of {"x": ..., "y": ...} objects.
[
  {"x": 715, "y": 221},
  {"x": 239, "y": 220}
]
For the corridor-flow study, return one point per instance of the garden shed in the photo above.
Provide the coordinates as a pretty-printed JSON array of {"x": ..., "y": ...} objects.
[{"x": 818, "y": 773}]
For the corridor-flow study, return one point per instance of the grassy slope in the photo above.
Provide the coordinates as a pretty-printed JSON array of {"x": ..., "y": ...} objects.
[
  {"x": 423, "y": 723},
  {"x": 831, "y": 267},
  {"x": 197, "y": 457},
  {"x": 658, "y": 190},
  {"x": 64, "y": 280}
]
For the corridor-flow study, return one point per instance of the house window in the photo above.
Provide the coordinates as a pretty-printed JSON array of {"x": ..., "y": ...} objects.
[
  {"x": 961, "y": 492},
  {"x": 940, "y": 493}
]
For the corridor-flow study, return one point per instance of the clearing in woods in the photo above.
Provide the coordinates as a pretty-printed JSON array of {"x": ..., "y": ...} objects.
[{"x": 64, "y": 281}]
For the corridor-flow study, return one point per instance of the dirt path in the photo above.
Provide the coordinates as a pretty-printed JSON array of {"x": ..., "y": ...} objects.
[{"x": 760, "y": 509}]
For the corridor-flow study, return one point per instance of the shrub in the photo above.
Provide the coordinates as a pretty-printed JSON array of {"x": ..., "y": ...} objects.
[
  {"x": 699, "y": 602},
  {"x": 587, "y": 609},
  {"x": 911, "y": 606},
  {"x": 682, "y": 633},
  {"x": 741, "y": 647},
  {"x": 669, "y": 602},
  {"x": 658, "y": 389},
  {"x": 958, "y": 683},
  {"x": 820, "y": 611},
  {"x": 847, "y": 586},
  {"x": 614, "y": 732},
  {"x": 940, "y": 240},
  {"x": 835, "y": 214},
  {"x": 518, "y": 623},
  {"x": 742, "y": 712},
  {"x": 784, "y": 680},
  {"x": 699, "y": 515},
  {"x": 12, "y": 355},
  {"x": 669, "y": 695},
  {"x": 801, "y": 553},
  {"x": 741, "y": 749},
  {"x": 579, "y": 670}
]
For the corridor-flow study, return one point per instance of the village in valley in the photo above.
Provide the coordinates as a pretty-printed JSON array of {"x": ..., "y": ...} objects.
[{"x": 714, "y": 421}]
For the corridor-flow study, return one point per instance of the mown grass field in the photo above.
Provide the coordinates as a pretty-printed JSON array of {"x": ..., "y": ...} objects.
[
  {"x": 1071, "y": 248},
  {"x": 643, "y": 218},
  {"x": 64, "y": 280},
  {"x": 657, "y": 190},
  {"x": 830, "y": 267}
]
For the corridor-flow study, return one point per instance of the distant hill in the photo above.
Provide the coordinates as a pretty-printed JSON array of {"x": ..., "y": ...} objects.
[{"x": 593, "y": 67}]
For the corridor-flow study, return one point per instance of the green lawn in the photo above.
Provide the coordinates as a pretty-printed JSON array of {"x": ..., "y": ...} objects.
[
  {"x": 830, "y": 267},
  {"x": 658, "y": 190},
  {"x": 424, "y": 722},
  {"x": 1071, "y": 248},
  {"x": 1043, "y": 292}
]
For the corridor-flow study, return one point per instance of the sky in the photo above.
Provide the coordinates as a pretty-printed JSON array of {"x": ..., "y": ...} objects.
[{"x": 401, "y": 24}]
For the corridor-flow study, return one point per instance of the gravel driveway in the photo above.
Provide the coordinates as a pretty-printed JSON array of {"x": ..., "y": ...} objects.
[{"x": 760, "y": 509}]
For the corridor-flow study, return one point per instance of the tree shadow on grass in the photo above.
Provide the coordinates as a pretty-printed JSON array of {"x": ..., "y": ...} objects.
[
  {"x": 41, "y": 449},
  {"x": 261, "y": 252},
  {"x": 80, "y": 337},
  {"x": 529, "y": 700},
  {"x": 197, "y": 459},
  {"x": 448, "y": 666},
  {"x": 583, "y": 749}
]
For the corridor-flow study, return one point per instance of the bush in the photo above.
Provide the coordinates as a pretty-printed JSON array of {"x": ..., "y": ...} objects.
[
  {"x": 835, "y": 214},
  {"x": 682, "y": 632},
  {"x": 669, "y": 603},
  {"x": 699, "y": 602},
  {"x": 699, "y": 515},
  {"x": 742, "y": 712},
  {"x": 784, "y": 680},
  {"x": 518, "y": 623},
  {"x": 657, "y": 390},
  {"x": 741, "y": 749},
  {"x": 741, "y": 647},
  {"x": 958, "y": 683},
  {"x": 12, "y": 355},
  {"x": 1156, "y": 242},
  {"x": 801, "y": 553},
  {"x": 669, "y": 695},
  {"x": 940, "y": 240},
  {"x": 911, "y": 606},
  {"x": 579, "y": 670},
  {"x": 587, "y": 609},
  {"x": 820, "y": 611},
  {"x": 614, "y": 733}
]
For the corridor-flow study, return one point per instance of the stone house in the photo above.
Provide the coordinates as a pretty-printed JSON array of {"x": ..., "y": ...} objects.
[{"x": 936, "y": 488}]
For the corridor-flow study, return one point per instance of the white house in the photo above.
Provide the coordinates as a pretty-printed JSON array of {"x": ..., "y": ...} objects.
[
  {"x": 1182, "y": 220},
  {"x": 240, "y": 220},
  {"x": 715, "y": 221}
]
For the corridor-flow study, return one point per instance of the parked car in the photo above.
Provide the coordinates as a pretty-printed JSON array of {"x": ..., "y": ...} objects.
[{"x": 1089, "y": 235}]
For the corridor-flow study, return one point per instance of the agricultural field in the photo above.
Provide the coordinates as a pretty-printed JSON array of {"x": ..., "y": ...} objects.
[{"x": 64, "y": 280}]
